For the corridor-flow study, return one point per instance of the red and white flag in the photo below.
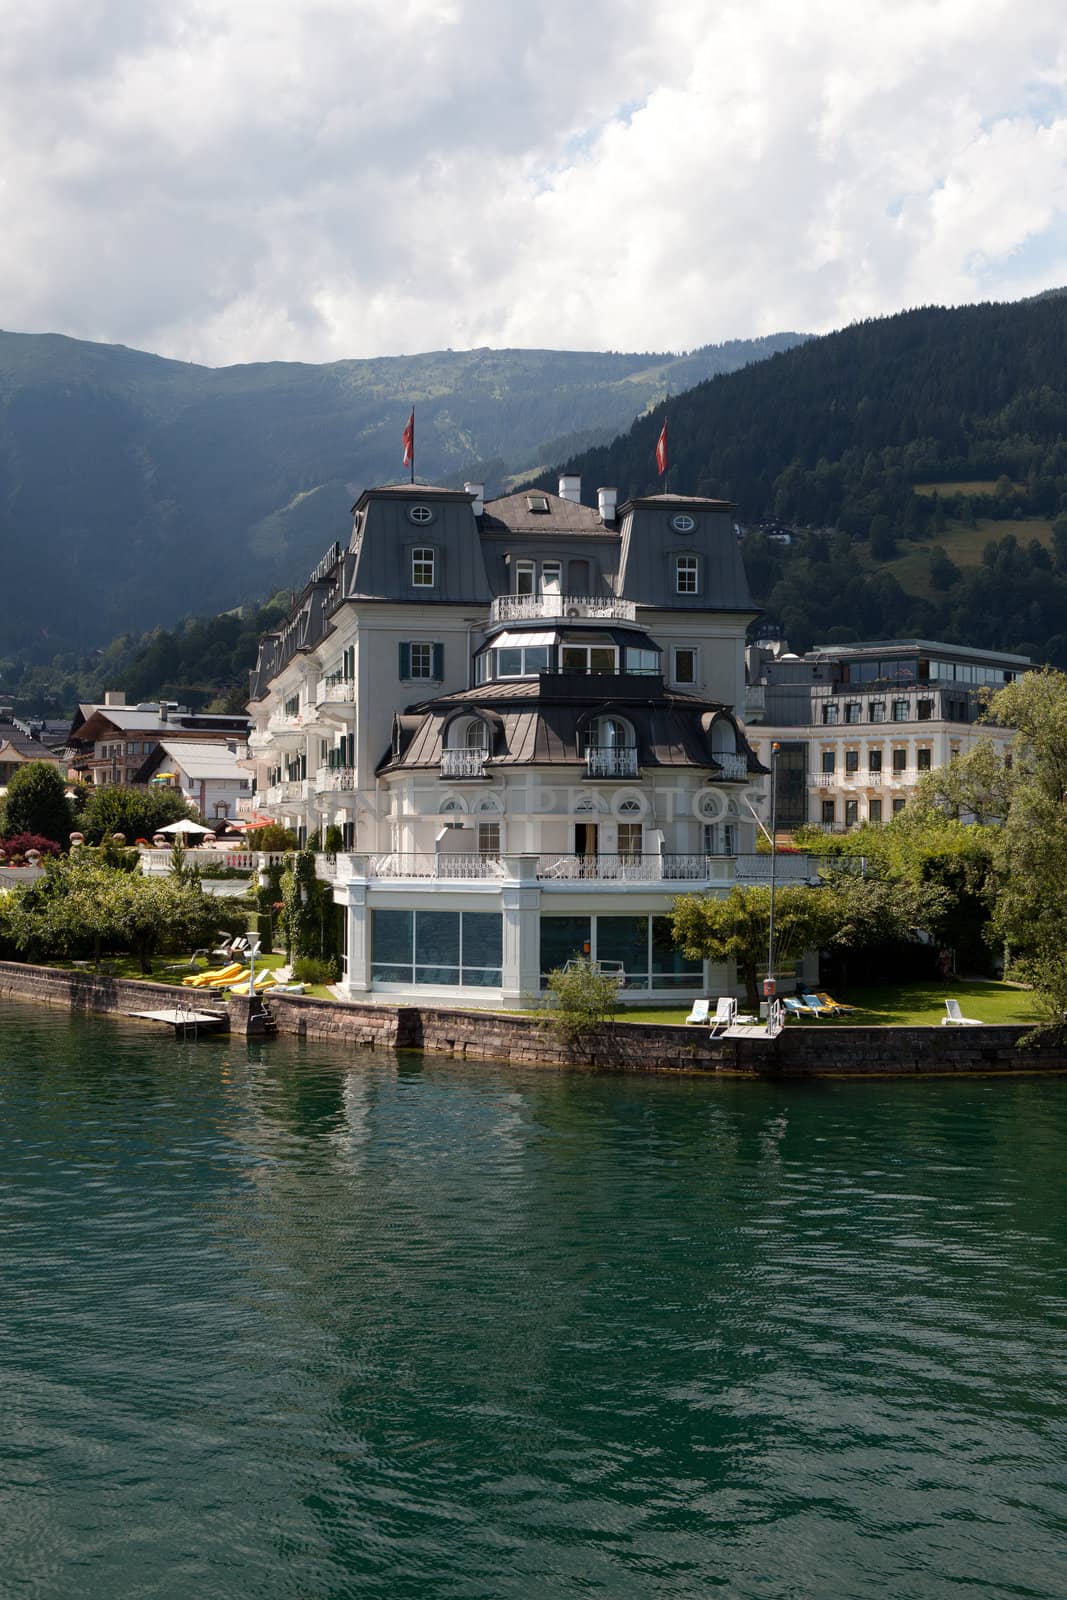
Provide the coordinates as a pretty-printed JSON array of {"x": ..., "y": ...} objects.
[
  {"x": 408, "y": 437},
  {"x": 661, "y": 450}
]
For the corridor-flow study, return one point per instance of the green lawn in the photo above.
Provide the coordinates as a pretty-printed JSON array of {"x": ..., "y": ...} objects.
[
  {"x": 127, "y": 966},
  {"x": 899, "y": 1005}
]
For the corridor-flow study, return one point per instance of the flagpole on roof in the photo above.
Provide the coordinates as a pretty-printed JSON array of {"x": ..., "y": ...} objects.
[{"x": 413, "y": 444}]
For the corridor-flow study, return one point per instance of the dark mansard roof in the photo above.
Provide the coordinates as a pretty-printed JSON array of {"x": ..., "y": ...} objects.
[{"x": 540, "y": 722}]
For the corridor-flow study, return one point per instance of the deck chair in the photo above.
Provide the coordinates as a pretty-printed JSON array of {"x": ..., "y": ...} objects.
[
  {"x": 834, "y": 1005},
  {"x": 795, "y": 1008},
  {"x": 725, "y": 1012},
  {"x": 956, "y": 1019},
  {"x": 700, "y": 1011},
  {"x": 817, "y": 1006}
]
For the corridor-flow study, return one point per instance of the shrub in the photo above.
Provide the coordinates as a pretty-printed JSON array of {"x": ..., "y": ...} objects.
[
  {"x": 272, "y": 836},
  {"x": 309, "y": 969},
  {"x": 582, "y": 998},
  {"x": 16, "y": 846}
]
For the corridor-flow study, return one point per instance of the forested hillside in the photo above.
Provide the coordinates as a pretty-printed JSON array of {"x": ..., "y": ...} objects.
[
  {"x": 134, "y": 490},
  {"x": 914, "y": 433}
]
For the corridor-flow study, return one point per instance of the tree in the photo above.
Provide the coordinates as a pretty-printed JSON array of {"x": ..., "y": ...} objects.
[
  {"x": 137, "y": 813},
  {"x": 1030, "y": 861},
  {"x": 737, "y": 927},
  {"x": 1059, "y": 543},
  {"x": 37, "y": 803},
  {"x": 976, "y": 785},
  {"x": 943, "y": 571},
  {"x": 82, "y": 906}
]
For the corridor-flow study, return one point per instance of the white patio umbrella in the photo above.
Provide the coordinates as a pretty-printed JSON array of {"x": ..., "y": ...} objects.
[{"x": 183, "y": 825}]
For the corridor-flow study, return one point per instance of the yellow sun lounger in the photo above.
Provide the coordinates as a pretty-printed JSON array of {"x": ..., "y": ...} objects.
[
  {"x": 202, "y": 979},
  {"x": 227, "y": 983}
]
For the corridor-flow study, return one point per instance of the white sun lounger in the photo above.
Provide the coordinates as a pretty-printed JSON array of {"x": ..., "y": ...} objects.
[{"x": 956, "y": 1019}]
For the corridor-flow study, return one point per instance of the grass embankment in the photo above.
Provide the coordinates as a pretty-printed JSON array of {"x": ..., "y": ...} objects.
[
  {"x": 169, "y": 969},
  {"x": 963, "y": 545},
  {"x": 900, "y": 1006}
]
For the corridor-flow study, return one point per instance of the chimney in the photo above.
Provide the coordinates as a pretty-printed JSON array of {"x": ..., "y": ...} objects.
[
  {"x": 114, "y": 697},
  {"x": 606, "y": 501},
  {"x": 478, "y": 491},
  {"x": 570, "y": 488}
]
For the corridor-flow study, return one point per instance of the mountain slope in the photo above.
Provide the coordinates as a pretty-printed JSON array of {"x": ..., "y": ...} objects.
[
  {"x": 134, "y": 489},
  {"x": 892, "y": 436}
]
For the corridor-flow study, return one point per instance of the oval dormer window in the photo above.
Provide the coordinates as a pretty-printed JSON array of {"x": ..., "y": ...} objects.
[
  {"x": 683, "y": 522},
  {"x": 420, "y": 514}
]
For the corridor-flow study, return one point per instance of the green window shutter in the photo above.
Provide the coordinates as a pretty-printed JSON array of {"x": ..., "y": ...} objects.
[
  {"x": 405, "y": 661},
  {"x": 438, "y": 662}
]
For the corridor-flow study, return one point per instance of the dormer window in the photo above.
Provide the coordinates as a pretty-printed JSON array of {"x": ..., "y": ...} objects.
[
  {"x": 423, "y": 566},
  {"x": 421, "y": 514},
  {"x": 686, "y": 575}
]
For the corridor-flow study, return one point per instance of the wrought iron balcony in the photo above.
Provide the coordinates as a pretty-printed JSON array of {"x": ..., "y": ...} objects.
[
  {"x": 611, "y": 761},
  {"x": 520, "y": 607},
  {"x": 463, "y": 763},
  {"x": 733, "y": 766}
]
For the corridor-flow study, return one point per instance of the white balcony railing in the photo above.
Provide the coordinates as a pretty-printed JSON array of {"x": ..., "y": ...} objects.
[
  {"x": 462, "y": 763},
  {"x": 617, "y": 761},
  {"x": 335, "y": 692},
  {"x": 436, "y": 865},
  {"x": 824, "y": 780},
  {"x": 516, "y": 607},
  {"x": 733, "y": 766},
  {"x": 633, "y": 868},
  {"x": 330, "y": 780}
]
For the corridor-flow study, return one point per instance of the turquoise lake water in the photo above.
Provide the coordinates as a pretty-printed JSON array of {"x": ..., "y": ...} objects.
[{"x": 278, "y": 1324}]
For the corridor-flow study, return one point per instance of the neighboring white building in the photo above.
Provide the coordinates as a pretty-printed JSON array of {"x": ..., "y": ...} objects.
[
  {"x": 858, "y": 725},
  {"x": 523, "y": 716},
  {"x": 208, "y": 773}
]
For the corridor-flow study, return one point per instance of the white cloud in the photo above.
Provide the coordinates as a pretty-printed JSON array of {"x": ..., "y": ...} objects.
[{"x": 225, "y": 180}]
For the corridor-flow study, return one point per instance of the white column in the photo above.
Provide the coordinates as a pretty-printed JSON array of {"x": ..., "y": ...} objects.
[
  {"x": 352, "y": 898},
  {"x": 521, "y": 907}
]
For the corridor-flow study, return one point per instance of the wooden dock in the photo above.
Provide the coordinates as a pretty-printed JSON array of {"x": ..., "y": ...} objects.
[{"x": 184, "y": 1020}]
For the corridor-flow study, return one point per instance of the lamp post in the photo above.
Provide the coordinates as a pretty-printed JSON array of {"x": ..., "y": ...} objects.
[
  {"x": 253, "y": 947},
  {"x": 769, "y": 985}
]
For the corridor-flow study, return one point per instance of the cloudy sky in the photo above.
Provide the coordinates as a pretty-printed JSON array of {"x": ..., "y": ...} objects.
[{"x": 234, "y": 180}]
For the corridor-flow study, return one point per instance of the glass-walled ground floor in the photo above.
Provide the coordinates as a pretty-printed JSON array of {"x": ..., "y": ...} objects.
[
  {"x": 639, "y": 949},
  {"x": 504, "y": 957}
]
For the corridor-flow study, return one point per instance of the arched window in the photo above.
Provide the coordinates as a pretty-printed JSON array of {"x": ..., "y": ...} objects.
[
  {"x": 609, "y": 733},
  {"x": 723, "y": 737},
  {"x": 475, "y": 735},
  {"x": 630, "y": 808}
]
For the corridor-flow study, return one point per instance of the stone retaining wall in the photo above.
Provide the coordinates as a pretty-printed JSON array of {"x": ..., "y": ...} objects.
[
  {"x": 803, "y": 1050},
  {"x": 90, "y": 991}
]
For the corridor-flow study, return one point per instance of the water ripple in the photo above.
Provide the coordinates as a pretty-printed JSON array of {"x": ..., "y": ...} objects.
[{"x": 275, "y": 1323}]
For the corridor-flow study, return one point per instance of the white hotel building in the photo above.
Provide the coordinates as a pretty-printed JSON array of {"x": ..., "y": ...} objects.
[
  {"x": 523, "y": 717},
  {"x": 858, "y": 725}
]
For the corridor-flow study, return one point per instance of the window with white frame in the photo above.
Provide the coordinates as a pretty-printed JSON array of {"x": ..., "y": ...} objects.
[
  {"x": 686, "y": 575},
  {"x": 489, "y": 838},
  {"x": 421, "y": 659},
  {"x": 525, "y": 577},
  {"x": 423, "y": 566},
  {"x": 551, "y": 577}
]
